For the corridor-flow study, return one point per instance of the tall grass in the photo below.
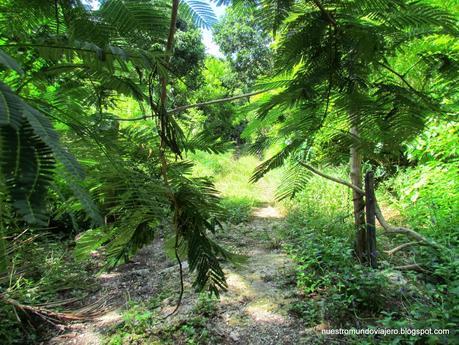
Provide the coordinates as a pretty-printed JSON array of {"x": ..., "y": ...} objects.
[{"x": 231, "y": 175}]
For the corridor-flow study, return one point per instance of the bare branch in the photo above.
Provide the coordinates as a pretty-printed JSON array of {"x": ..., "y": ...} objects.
[
  {"x": 145, "y": 117},
  {"x": 402, "y": 246},
  {"x": 185, "y": 107},
  {"x": 412, "y": 267},
  {"x": 331, "y": 178},
  {"x": 215, "y": 101},
  {"x": 390, "y": 229}
]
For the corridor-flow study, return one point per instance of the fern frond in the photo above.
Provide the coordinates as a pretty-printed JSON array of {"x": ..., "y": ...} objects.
[
  {"x": 42, "y": 127},
  {"x": 9, "y": 62},
  {"x": 295, "y": 180},
  {"x": 27, "y": 166},
  {"x": 208, "y": 142},
  {"x": 199, "y": 11},
  {"x": 135, "y": 16},
  {"x": 276, "y": 160}
]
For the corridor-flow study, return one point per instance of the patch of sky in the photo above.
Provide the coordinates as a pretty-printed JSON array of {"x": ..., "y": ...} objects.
[{"x": 207, "y": 36}]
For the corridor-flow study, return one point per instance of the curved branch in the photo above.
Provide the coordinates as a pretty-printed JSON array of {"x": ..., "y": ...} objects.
[
  {"x": 331, "y": 178},
  {"x": 196, "y": 105},
  {"x": 215, "y": 101},
  {"x": 402, "y": 246},
  {"x": 390, "y": 229}
]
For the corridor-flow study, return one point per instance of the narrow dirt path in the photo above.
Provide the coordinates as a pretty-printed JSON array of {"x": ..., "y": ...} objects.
[
  {"x": 254, "y": 310},
  {"x": 255, "y": 307}
]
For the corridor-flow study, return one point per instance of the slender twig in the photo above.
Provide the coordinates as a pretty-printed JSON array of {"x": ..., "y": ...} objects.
[
  {"x": 182, "y": 288},
  {"x": 162, "y": 119},
  {"x": 402, "y": 77},
  {"x": 169, "y": 46},
  {"x": 144, "y": 117}
]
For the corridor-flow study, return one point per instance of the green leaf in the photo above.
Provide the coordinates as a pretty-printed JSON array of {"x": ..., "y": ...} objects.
[
  {"x": 200, "y": 12},
  {"x": 9, "y": 62}
]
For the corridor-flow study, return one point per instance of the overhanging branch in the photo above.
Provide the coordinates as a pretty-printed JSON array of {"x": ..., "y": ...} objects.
[
  {"x": 196, "y": 105},
  {"x": 215, "y": 101}
]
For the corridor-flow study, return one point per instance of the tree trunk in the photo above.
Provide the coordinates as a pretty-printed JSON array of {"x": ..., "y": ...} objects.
[
  {"x": 370, "y": 205},
  {"x": 359, "y": 205}
]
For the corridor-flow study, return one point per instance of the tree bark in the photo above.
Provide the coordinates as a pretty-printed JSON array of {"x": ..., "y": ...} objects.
[
  {"x": 389, "y": 229},
  {"x": 357, "y": 198},
  {"x": 370, "y": 205}
]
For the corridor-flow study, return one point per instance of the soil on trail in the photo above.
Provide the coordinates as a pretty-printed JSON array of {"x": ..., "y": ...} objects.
[{"x": 254, "y": 310}]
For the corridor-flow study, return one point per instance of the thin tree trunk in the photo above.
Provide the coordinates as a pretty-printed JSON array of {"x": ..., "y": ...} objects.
[
  {"x": 357, "y": 198},
  {"x": 390, "y": 229},
  {"x": 3, "y": 252},
  {"x": 370, "y": 205}
]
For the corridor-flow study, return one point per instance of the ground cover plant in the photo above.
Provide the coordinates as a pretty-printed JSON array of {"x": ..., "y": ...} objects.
[{"x": 295, "y": 176}]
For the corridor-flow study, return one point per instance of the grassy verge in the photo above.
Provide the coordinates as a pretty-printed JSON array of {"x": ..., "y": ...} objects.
[
  {"x": 335, "y": 291},
  {"x": 43, "y": 272},
  {"x": 231, "y": 175},
  {"x": 142, "y": 324}
]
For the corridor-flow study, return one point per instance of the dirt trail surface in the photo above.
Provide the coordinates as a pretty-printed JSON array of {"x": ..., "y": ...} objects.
[{"x": 254, "y": 310}]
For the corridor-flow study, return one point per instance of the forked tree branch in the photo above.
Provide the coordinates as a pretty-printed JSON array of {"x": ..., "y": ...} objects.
[
  {"x": 325, "y": 13},
  {"x": 390, "y": 229},
  {"x": 400, "y": 76}
]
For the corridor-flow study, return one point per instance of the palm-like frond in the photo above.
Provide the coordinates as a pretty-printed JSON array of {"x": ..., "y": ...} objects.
[
  {"x": 133, "y": 17},
  {"x": 199, "y": 11},
  {"x": 27, "y": 165},
  {"x": 9, "y": 62},
  {"x": 296, "y": 179},
  {"x": 31, "y": 145},
  {"x": 197, "y": 211},
  {"x": 277, "y": 160}
]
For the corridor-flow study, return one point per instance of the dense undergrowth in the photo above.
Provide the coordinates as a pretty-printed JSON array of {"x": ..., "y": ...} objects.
[
  {"x": 48, "y": 277},
  {"x": 332, "y": 288},
  {"x": 142, "y": 324},
  {"x": 335, "y": 289}
]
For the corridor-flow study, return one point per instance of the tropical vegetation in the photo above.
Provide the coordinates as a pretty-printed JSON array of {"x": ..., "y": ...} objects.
[{"x": 325, "y": 134}]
